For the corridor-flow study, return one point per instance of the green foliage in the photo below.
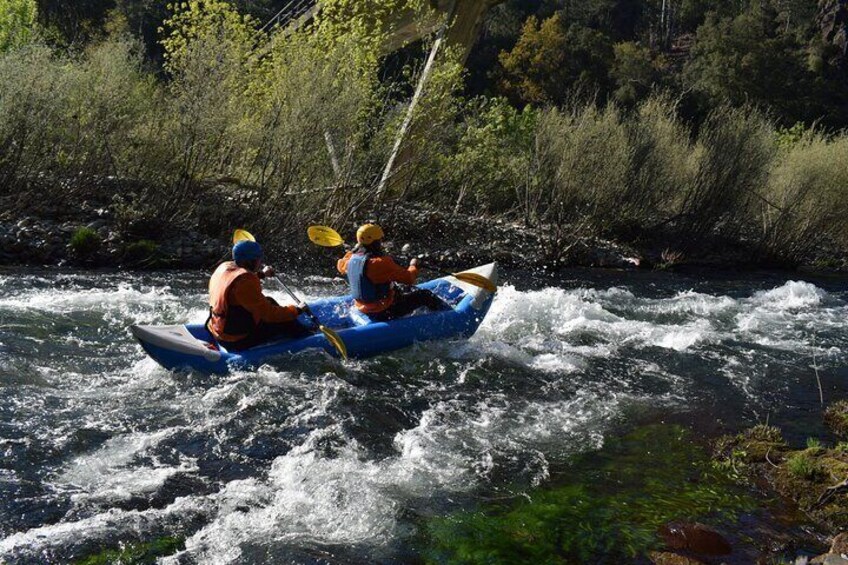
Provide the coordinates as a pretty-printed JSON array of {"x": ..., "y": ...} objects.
[
  {"x": 492, "y": 160},
  {"x": 142, "y": 252},
  {"x": 786, "y": 138},
  {"x": 633, "y": 72},
  {"x": 804, "y": 202},
  {"x": 550, "y": 62},
  {"x": 301, "y": 124},
  {"x": 83, "y": 115},
  {"x": 366, "y": 21},
  {"x": 733, "y": 156},
  {"x": 747, "y": 59},
  {"x": 85, "y": 242},
  {"x": 801, "y": 465},
  {"x": 609, "y": 510},
  {"x": 136, "y": 553},
  {"x": 814, "y": 443},
  {"x": 836, "y": 418},
  {"x": 17, "y": 20},
  {"x": 206, "y": 24}
]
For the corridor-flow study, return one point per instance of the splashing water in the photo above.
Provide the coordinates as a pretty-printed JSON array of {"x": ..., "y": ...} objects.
[{"x": 101, "y": 446}]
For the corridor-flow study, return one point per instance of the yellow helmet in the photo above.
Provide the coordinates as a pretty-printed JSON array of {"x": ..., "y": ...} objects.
[{"x": 368, "y": 234}]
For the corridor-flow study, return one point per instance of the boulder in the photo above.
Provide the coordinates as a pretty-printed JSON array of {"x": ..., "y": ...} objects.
[
  {"x": 97, "y": 225},
  {"x": 694, "y": 537},
  {"x": 668, "y": 558},
  {"x": 829, "y": 559},
  {"x": 840, "y": 544}
]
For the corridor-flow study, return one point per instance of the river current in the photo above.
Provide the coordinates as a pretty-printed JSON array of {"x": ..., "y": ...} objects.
[{"x": 315, "y": 460}]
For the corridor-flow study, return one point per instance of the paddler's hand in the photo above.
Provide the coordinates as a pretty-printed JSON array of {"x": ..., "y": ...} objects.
[
  {"x": 414, "y": 262},
  {"x": 303, "y": 307},
  {"x": 267, "y": 272}
]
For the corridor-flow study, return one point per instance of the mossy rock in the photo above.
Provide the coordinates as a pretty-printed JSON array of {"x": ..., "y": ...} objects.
[
  {"x": 740, "y": 454},
  {"x": 802, "y": 475},
  {"x": 836, "y": 418}
]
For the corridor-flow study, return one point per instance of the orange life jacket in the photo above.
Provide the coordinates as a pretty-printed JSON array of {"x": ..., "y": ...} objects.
[{"x": 226, "y": 322}]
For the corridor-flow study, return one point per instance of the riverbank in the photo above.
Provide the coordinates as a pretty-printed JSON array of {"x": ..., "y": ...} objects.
[{"x": 94, "y": 234}]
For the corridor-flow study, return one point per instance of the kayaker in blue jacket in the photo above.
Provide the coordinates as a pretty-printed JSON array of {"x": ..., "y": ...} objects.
[{"x": 374, "y": 277}]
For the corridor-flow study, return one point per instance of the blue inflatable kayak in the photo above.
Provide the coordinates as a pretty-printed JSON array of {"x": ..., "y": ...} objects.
[{"x": 192, "y": 347}]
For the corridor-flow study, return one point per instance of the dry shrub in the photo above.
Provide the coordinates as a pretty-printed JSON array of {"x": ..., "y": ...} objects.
[
  {"x": 805, "y": 202},
  {"x": 734, "y": 153}
]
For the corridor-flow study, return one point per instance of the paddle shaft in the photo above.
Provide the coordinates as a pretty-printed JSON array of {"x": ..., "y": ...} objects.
[
  {"x": 298, "y": 300},
  {"x": 334, "y": 338},
  {"x": 429, "y": 267}
]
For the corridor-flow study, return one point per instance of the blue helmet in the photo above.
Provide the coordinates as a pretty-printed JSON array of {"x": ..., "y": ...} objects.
[{"x": 246, "y": 251}]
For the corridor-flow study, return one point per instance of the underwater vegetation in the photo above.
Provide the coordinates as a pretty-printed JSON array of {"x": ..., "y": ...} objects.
[{"x": 608, "y": 505}]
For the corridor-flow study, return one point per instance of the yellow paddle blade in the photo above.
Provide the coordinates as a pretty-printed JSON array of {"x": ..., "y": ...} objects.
[
  {"x": 334, "y": 338},
  {"x": 242, "y": 235},
  {"x": 476, "y": 280},
  {"x": 324, "y": 236}
]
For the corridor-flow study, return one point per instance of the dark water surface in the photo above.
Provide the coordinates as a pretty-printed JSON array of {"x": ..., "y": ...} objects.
[{"x": 314, "y": 458}]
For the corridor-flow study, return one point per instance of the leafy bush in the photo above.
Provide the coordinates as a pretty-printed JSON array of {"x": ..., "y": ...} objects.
[
  {"x": 85, "y": 242},
  {"x": 493, "y": 156},
  {"x": 76, "y": 117},
  {"x": 143, "y": 251},
  {"x": 17, "y": 20}
]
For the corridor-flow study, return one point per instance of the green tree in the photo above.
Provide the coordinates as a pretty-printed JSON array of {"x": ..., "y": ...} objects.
[
  {"x": 17, "y": 18},
  {"x": 73, "y": 21},
  {"x": 748, "y": 59},
  {"x": 633, "y": 71},
  {"x": 550, "y": 63}
]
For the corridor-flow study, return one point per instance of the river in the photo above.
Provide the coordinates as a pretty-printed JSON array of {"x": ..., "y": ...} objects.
[{"x": 321, "y": 461}]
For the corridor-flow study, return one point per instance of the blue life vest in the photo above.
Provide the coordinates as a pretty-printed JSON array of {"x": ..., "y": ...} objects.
[{"x": 361, "y": 287}]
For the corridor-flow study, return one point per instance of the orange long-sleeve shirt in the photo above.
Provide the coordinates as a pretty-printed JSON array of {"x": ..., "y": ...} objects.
[
  {"x": 246, "y": 292},
  {"x": 381, "y": 270}
]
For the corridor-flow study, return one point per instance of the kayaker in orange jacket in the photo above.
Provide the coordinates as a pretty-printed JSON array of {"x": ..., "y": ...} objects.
[
  {"x": 240, "y": 316},
  {"x": 373, "y": 278}
]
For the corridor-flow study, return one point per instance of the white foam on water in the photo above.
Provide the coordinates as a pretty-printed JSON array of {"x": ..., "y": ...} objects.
[
  {"x": 109, "y": 474},
  {"x": 34, "y": 545},
  {"x": 790, "y": 296},
  {"x": 348, "y": 498},
  {"x": 527, "y": 317},
  {"x": 77, "y": 300}
]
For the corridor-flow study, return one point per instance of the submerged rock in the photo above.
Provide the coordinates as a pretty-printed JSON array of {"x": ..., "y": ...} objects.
[
  {"x": 668, "y": 558},
  {"x": 694, "y": 537}
]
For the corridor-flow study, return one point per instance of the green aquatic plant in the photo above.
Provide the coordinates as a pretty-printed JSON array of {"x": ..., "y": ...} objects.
[
  {"x": 136, "y": 553},
  {"x": 611, "y": 507},
  {"x": 814, "y": 443}
]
